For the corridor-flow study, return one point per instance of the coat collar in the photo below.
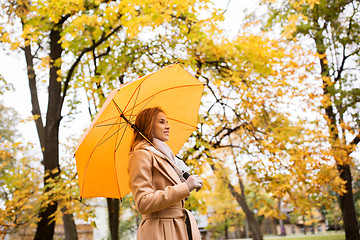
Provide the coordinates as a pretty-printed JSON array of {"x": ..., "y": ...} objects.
[{"x": 164, "y": 166}]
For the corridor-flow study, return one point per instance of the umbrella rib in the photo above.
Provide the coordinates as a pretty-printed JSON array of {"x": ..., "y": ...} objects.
[
  {"x": 122, "y": 113},
  {"x": 115, "y": 168},
  {"x": 137, "y": 95},
  {"x": 136, "y": 98},
  {"x": 92, "y": 152},
  {"x": 118, "y": 144},
  {"x": 112, "y": 135},
  {"x": 131, "y": 114},
  {"x": 151, "y": 97},
  {"x": 107, "y": 124},
  {"x": 110, "y": 124},
  {"x": 122, "y": 136},
  {"x": 137, "y": 91},
  {"x": 125, "y": 124},
  {"x": 164, "y": 90},
  {"x": 182, "y": 122},
  {"x": 106, "y": 120}
]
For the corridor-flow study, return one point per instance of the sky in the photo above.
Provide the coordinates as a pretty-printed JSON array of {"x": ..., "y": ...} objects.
[{"x": 13, "y": 69}]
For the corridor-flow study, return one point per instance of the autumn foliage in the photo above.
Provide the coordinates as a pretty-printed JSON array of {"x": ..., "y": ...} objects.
[{"x": 262, "y": 136}]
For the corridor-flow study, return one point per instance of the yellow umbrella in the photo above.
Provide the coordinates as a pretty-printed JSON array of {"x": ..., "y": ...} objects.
[{"x": 102, "y": 153}]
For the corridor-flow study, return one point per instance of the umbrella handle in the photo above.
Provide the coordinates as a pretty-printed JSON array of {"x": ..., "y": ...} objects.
[{"x": 186, "y": 175}]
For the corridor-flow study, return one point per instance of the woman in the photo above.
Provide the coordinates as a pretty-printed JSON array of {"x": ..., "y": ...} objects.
[{"x": 158, "y": 190}]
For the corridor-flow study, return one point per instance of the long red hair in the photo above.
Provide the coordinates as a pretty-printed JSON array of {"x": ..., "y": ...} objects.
[{"x": 145, "y": 124}]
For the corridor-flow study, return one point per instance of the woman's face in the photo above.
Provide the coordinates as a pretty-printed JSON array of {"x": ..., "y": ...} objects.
[{"x": 161, "y": 127}]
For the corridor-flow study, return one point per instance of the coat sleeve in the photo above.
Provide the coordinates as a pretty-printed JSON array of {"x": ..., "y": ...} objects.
[{"x": 148, "y": 199}]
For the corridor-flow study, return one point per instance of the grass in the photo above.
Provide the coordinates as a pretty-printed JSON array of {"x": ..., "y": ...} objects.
[{"x": 334, "y": 236}]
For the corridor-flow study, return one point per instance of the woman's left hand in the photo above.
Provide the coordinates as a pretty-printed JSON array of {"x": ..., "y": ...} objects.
[{"x": 194, "y": 182}]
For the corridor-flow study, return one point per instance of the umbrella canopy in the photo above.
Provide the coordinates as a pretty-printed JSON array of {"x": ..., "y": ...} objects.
[{"x": 102, "y": 153}]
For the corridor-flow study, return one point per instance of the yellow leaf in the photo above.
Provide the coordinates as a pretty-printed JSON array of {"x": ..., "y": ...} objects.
[{"x": 30, "y": 118}]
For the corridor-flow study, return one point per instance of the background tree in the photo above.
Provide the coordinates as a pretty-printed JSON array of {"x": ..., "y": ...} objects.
[
  {"x": 19, "y": 189},
  {"x": 129, "y": 218},
  {"x": 8, "y": 116},
  {"x": 224, "y": 213},
  {"x": 21, "y": 194},
  {"x": 249, "y": 108},
  {"x": 18, "y": 180},
  {"x": 333, "y": 27},
  {"x": 356, "y": 186},
  {"x": 332, "y": 214}
]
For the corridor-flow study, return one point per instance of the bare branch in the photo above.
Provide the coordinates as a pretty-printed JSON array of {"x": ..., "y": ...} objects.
[
  {"x": 356, "y": 140},
  {"x": 227, "y": 6},
  {"x": 36, "y": 111},
  {"x": 103, "y": 38}
]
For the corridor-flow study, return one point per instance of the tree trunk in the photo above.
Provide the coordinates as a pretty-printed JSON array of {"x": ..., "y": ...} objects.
[
  {"x": 346, "y": 199},
  {"x": 113, "y": 211},
  {"x": 347, "y": 205},
  {"x": 246, "y": 228},
  {"x": 281, "y": 221},
  {"x": 253, "y": 223},
  {"x": 69, "y": 226},
  {"x": 50, "y": 146},
  {"x": 240, "y": 198},
  {"x": 45, "y": 228},
  {"x": 226, "y": 230},
  {"x": 46, "y": 225}
]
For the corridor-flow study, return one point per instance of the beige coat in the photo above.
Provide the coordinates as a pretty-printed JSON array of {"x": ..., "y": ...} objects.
[{"x": 159, "y": 196}]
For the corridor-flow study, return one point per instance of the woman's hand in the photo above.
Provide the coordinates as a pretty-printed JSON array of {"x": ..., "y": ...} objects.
[{"x": 194, "y": 182}]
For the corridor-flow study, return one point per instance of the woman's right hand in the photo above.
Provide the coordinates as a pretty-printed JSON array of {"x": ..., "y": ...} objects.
[{"x": 194, "y": 182}]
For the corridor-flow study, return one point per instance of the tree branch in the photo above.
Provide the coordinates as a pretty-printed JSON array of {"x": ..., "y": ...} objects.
[
  {"x": 356, "y": 140},
  {"x": 36, "y": 111},
  {"x": 241, "y": 184},
  {"x": 228, "y": 132},
  {"x": 82, "y": 53}
]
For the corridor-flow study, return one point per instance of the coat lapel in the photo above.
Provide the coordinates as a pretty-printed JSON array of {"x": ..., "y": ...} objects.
[{"x": 165, "y": 168}]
